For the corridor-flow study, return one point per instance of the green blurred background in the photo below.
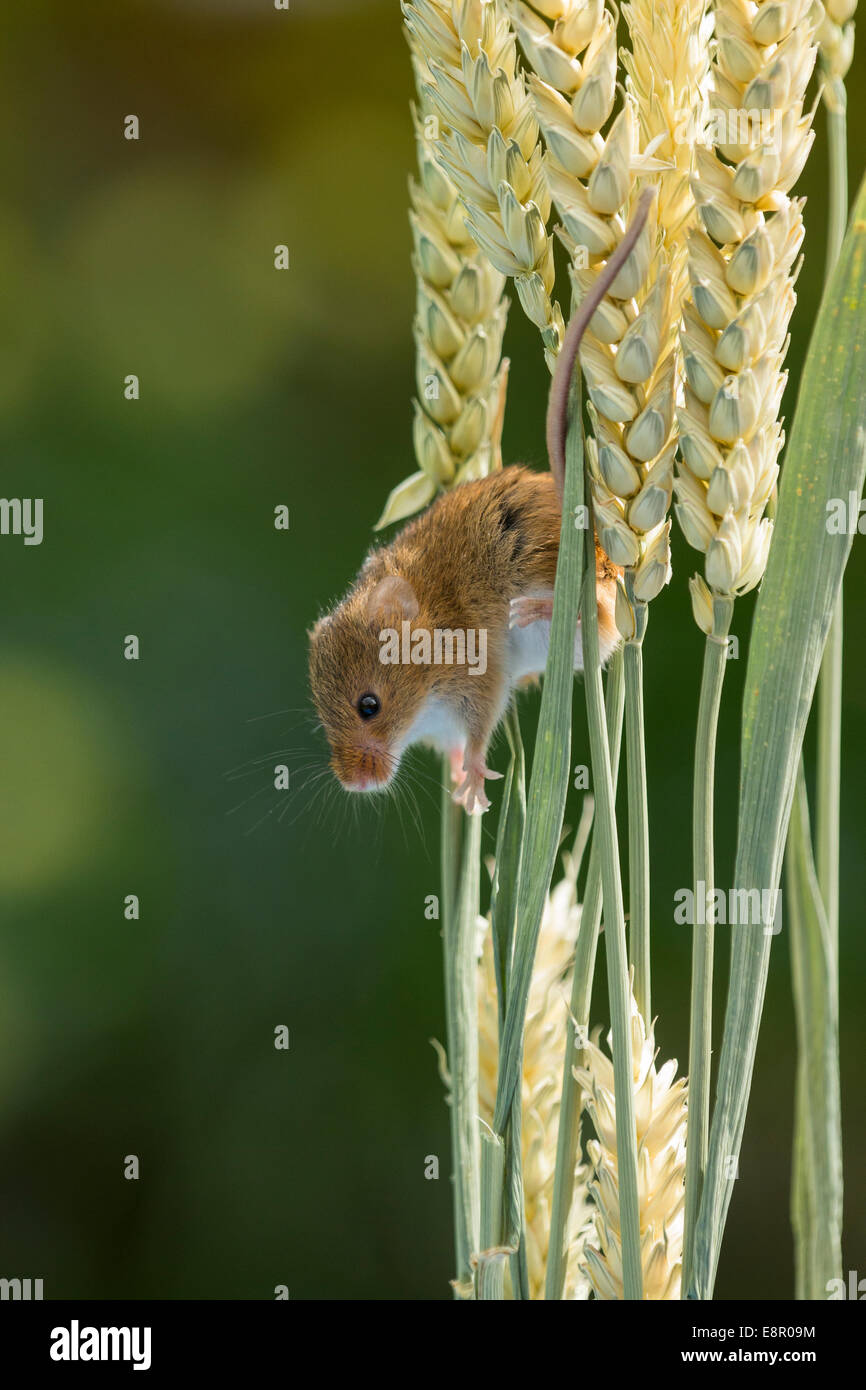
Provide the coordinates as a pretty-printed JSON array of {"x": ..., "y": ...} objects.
[{"x": 155, "y": 1037}]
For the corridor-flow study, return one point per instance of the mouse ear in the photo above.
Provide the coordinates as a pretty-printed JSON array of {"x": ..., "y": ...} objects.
[
  {"x": 314, "y": 632},
  {"x": 391, "y": 602}
]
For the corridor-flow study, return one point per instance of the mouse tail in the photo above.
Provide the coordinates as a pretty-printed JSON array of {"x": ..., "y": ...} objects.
[{"x": 560, "y": 386}]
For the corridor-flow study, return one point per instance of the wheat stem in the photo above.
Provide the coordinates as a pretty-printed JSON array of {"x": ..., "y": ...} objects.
[
  {"x": 461, "y": 843},
  {"x": 568, "y": 1134},
  {"x": 829, "y": 768},
  {"x": 701, "y": 1019},
  {"x": 817, "y": 1178},
  {"x": 614, "y": 936},
  {"x": 493, "y": 1256},
  {"x": 548, "y": 785},
  {"x": 502, "y": 1217},
  {"x": 830, "y": 682},
  {"x": 816, "y": 1197},
  {"x": 638, "y": 813}
]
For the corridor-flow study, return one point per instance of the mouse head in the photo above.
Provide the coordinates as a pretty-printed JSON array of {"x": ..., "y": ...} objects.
[{"x": 367, "y": 697}]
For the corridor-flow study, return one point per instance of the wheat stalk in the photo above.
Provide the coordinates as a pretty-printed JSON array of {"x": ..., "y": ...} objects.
[
  {"x": 735, "y": 323},
  {"x": 630, "y": 353}
]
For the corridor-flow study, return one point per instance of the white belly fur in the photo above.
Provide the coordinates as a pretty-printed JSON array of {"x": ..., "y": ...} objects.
[{"x": 437, "y": 723}]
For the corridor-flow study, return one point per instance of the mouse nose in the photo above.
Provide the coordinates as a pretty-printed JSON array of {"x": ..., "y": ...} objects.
[
  {"x": 364, "y": 784},
  {"x": 366, "y": 769}
]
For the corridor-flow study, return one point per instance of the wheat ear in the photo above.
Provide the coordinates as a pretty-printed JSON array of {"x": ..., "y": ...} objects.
[
  {"x": 660, "y": 1114},
  {"x": 629, "y": 351},
  {"x": 489, "y": 146},
  {"x": 544, "y": 1046},
  {"x": 460, "y": 314},
  {"x": 741, "y": 270}
]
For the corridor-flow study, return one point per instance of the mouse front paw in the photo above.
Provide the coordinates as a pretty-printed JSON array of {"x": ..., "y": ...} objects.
[
  {"x": 471, "y": 794},
  {"x": 523, "y": 612},
  {"x": 472, "y": 797}
]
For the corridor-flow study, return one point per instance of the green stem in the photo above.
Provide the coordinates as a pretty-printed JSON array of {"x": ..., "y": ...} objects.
[
  {"x": 461, "y": 847},
  {"x": 835, "y": 102},
  {"x": 817, "y": 1177},
  {"x": 492, "y": 1257},
  {"x": 502, "y": 1222},
  {"x": 802, "y": 1206},
  {"x": 829, "y": 769},
  {"x": 830, "y": 679},
  {"x": 545, "y": 806},
  {"x": 548, "y": 784},
  {"x": 701, "y": 1021},
  {"x": 614, "y": 937},
  {"x": 817, "y": 1148},
  {"x": 507, "y": 864},
  {"x": 638, "y": 816},
  {"x": 513, "y": 1209},
  {"x": 450, "y": 845},
  {"x": 568, "y": 1132}
]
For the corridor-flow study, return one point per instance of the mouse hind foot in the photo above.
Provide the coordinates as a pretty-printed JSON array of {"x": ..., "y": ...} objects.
[{"x": 524, "y": 611}]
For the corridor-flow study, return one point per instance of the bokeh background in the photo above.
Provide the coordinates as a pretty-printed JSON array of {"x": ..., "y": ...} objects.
[{"x": 258, "y": 388}]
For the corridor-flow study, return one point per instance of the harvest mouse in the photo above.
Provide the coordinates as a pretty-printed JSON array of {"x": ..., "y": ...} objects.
[
  {"x": 472, "y": 577},
  {"x": 444, "y": 622}
]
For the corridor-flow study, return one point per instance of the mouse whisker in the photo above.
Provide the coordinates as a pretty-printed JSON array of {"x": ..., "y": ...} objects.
[
  {"x": 306, "y": 715},
  {"x": 252, "y": 763},
  {"x": 253, "y": 828},
  {"x": 246, "y": 801}
]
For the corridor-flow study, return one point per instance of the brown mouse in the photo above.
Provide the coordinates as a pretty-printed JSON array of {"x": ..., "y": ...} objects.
[
  {"x": 442, "y": 624},
  {"x": 439, "y": 628}
]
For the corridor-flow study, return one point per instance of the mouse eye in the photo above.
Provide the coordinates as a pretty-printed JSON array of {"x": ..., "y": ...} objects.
[{"x": 368, "y": 705}]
